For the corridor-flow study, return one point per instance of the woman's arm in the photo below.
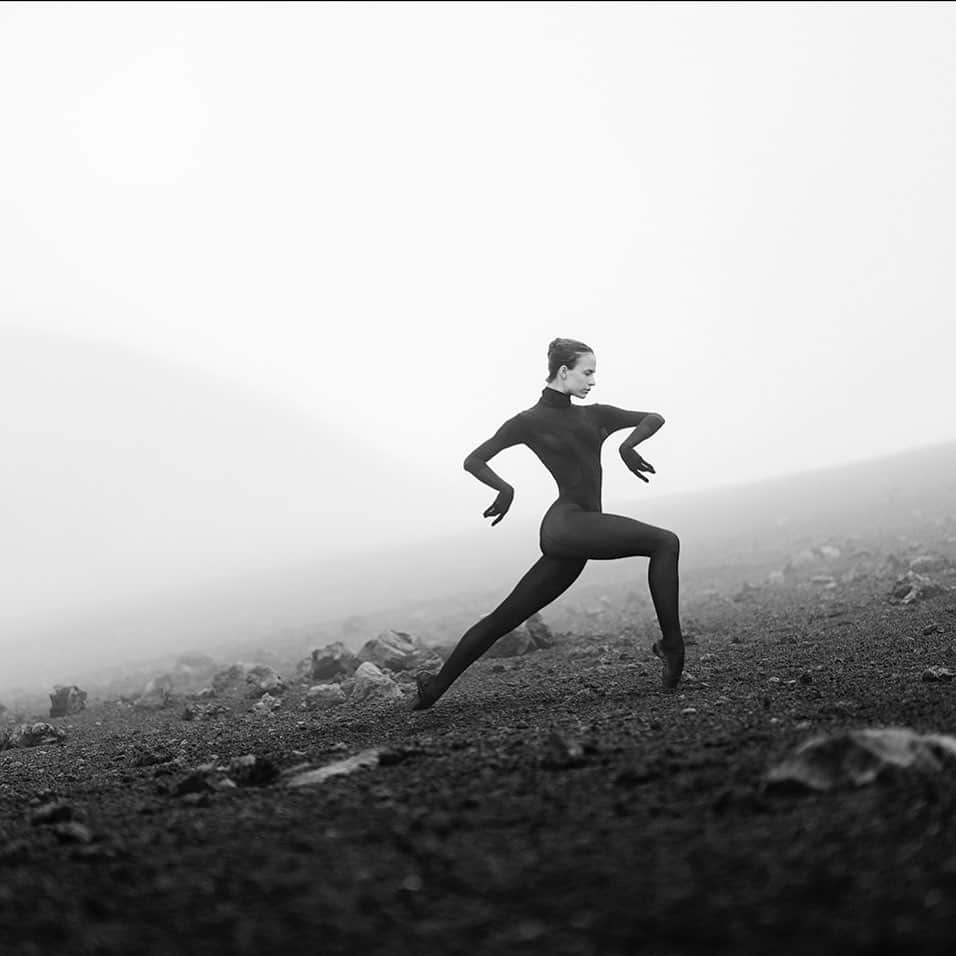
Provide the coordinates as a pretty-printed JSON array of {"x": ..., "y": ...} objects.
[
  {"x": 645, "y": 424},
  {"x": 476, "y": 463},
  {"x": 612, "y": 419}
]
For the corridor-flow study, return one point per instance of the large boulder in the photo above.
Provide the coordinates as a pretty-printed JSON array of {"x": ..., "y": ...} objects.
[
  {"x": 372, "y": 685},
  {"x": 66, "y": 700},
  {"x": 252, "y": 680},
  {"x": 262, "y": 679},
  {"x": 398, "y": 651},
  {"x": 859, "y": 757},
  {"x": 332, "y": 663},
  {"x": 392, "y": 649}
]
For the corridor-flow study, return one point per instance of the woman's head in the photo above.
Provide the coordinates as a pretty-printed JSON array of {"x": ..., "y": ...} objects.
[{"x": 571, "y": 366}]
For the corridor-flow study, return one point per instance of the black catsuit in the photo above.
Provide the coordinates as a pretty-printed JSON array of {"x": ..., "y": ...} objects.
[{"x": 567, "y": 438}]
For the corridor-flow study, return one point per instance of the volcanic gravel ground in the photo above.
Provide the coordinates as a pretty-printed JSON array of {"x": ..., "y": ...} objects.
[{"x": 555, "y": 803}]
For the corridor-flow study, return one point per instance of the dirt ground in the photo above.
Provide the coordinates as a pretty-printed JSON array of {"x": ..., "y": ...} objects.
[{"x": 552, "y": 803}]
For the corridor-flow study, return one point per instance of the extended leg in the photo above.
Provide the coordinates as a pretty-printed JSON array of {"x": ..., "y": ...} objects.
[{"x": 548, "y": 578}]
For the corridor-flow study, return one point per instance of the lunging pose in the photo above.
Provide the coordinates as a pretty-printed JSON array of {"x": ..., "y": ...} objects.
[{"x": 568, "y": 438}]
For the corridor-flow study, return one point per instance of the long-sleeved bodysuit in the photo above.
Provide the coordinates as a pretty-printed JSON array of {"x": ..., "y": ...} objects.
[{"x": 568, "y": 438}]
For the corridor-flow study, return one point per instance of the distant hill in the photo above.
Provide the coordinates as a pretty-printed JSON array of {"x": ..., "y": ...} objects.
[{"x": 125, "y": 477}]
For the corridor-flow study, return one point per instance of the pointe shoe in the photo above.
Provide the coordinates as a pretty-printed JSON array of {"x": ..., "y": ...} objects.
[
  {"x": 673, "y": 666},
  {"x": 425, "y": 698}
]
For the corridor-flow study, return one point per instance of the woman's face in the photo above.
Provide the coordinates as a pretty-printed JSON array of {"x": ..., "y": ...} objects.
[{"x": 580, "y": 379}]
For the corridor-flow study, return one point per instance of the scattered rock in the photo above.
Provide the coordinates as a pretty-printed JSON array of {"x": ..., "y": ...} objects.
[
  {"x": 72, "y": 832},
  {"x": 324, "y": 696},
  {"x": 513, "y": 644},
  {"x": 251, "y": 771},
  {"x": 203, "y": 780},
  {"x": 66, "y": 699},
  {"x": 363, "y": 760},
  {"x": 776, "y": 577},
  {"x": 932, "y": 629},
  {"x": 261, "y": 679},
  {"x": 332, "y": 663},
  {"x": 912, "y": 587},
  {"x": 937, "y": 673},
  {"x": 203, "y": 711},
  {"x": 398, "y": 651},
  {"x": 151, "y": 756},
  {"x": 828, "y": 552},
  {"x": 824, "y": 580},
  {"x": 266, "y": 705},
  {"x": 929, "y": 563},
  {"x": 56, "y": 811},
  {"x": 859, "y": 757},
  {"x": 230, "y": 679},
  {"x": 31, "y": 735},
  {"x": 372, "y": 685},
  {"x": 539, "y": 632}
]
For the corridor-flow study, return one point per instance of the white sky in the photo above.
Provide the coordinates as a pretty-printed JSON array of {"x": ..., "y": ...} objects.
[{"x": 379, "y": 215}]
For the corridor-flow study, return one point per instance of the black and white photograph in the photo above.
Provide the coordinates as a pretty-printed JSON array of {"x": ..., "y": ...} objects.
[{"x": 477, "y": 478}]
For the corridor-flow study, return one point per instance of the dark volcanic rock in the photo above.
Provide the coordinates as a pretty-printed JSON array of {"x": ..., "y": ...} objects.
[
  {"x": 513, "y": 644},
  {"x": 57, "y": 811},
  {"x": 398, "y": 651},
  {"x": 539, "y": 632},
  {"x": 262, "y": 679},
  {"x": 252, "y": 771},
  {"x": 332, "y": 662},
  {"x": 31, "y": 735},
  {"x": 912, "y": 587},
  {"x": 66, "y": 700}
]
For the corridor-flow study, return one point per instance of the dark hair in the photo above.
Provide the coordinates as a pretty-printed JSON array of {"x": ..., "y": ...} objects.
[{"x": 564, "y": 352}]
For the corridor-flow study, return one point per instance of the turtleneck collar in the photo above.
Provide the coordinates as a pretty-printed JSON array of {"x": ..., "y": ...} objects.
[{"x": 554, "y": 399}]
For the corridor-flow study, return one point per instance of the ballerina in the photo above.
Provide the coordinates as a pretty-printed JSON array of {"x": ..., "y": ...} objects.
[{"x": 568, "y": 438}]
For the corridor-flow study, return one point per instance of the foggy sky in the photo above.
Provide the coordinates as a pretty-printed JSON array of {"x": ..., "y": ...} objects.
[{"x": 340, "y": 237}]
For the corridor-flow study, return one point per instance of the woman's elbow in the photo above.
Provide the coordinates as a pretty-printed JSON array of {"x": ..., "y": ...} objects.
[{"x": 656, "y": 417}]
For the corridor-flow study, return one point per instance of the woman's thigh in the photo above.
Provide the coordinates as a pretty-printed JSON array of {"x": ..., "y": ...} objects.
[{"x": 593, "y": 534}]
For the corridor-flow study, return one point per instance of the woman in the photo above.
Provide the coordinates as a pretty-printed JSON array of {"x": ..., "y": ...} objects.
[{"x": 567, "y": 438}]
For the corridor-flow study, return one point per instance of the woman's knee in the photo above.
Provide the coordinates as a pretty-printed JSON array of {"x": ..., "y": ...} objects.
[{"x": 669, "y": 542}]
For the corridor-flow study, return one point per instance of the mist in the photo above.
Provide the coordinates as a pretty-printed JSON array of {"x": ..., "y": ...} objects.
[{"x": 270, "y": 271}]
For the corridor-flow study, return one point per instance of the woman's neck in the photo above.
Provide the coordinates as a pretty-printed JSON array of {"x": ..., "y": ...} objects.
[{"x": 554, "y": 397}]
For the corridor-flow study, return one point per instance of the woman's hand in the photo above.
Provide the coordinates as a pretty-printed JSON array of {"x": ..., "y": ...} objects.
[
  {"x": 500, "y": 505},
  {"x": 636, "y": 464}
]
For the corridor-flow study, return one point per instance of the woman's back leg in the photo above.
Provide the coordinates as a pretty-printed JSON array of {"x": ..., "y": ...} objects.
[{"x": 548, "y": 578}]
